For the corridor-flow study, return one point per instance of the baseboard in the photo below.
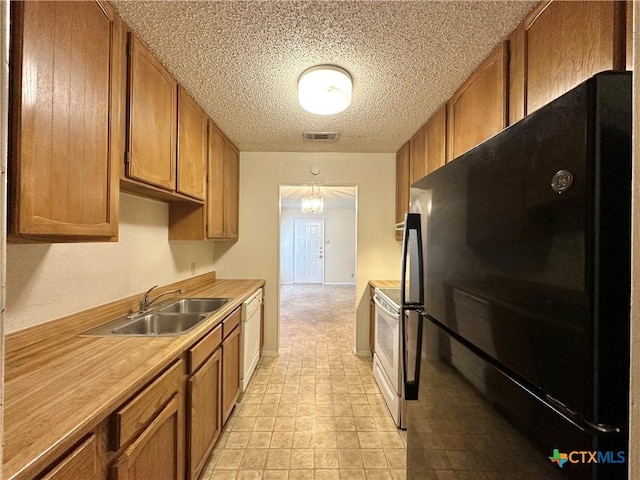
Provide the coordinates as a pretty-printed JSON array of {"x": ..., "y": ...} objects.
[
  {"x": 339, "y": 283},
  {"x": 363, "y": 353},
  {"x": 269, "y": 353},
  {"x": 287, "y": 283}
]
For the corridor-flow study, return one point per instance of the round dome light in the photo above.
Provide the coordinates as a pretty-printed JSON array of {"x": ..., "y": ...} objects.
[{"x": 324, "y": 89}]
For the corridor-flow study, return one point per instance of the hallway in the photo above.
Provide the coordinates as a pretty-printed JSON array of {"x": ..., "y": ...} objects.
[{"x": 314, "y": 412}]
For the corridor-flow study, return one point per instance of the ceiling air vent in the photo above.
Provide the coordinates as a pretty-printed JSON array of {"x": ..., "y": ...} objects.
[{"x": 320, "y": 136}]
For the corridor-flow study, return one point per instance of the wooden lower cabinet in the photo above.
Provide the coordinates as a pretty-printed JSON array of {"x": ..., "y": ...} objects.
[
  {"x": 158, "y": 452},
  {"x": 82, "y": 462},
  {"x": 204, "y": 411},
  {"x": 149, "y": 431},
  {"x": 230, "y": 372}
]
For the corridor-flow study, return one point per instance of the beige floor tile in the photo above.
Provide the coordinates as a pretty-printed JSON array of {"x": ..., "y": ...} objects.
[
  {"x": 254, "y": 459},
  {"x": 237, "y": 440},
  {"x": 352, "y": 474},
  {"x": 373, "y": 458},
  {"x": 350, "y": 458},
  {"x": 281, "y": 440},
  {"x": 229, "y": 459},
  {"x": 302, "y": 458},
  {"x": 259, "y": 440},
  {"x": 279, "y": 458},
  {"x": 377, "y": 474},
  {"x": 301, "y": 475},
  {"x": 284, "y": 424},
  {"x": 249, "y": 475},
  {"x": 303, "y": 439},
  {"x": 264, "y": 424},
  {"x": 327, "y": 474},
  {"x": 325, "y": 440},
  {"x": 326, "y": 458},
  {"x": 369, "y": 440},
  {"x": 315, "y": 411},
  {"x": 223, "y": 475}
]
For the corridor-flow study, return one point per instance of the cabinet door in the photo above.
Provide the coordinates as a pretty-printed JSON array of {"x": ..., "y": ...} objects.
[
  {"x": 417, "y": 157},
  {"x": 561, "y": 44},
  {"x": 232, "y": 190},
  {"x": 436, "y": 139},
  {"x": 151, "y": 139},
  {"x": 223, "y": 188},
  {"x": 82, "y": 462},
  {"x": 402, "y": 185},
  {"x": 157, "y": 453},
  {"x": 478, "y": 109},
  {"x": 230, "y": 372},
  {"x": 66, "y": 119},
  {"x": 204, "y": 412},
  {"x": 372, "y": 321},
  {"x": 192, "y": 147}
]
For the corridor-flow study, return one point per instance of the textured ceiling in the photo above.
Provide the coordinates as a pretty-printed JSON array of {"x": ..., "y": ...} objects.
[{"x": 241, "y": 61}]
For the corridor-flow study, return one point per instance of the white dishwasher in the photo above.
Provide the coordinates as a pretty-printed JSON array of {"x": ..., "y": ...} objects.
[{"x": 250, "y": 337}]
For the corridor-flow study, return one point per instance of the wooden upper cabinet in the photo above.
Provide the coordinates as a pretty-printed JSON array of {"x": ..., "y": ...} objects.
[
  {"x": 402, "y": 185},
  {"x": 561, "y": 44},
  {"x": 232, "y": 190},
  {"x": 417, "y": 159},
  {"x": 435, "y": 131},
  {"x": 66, "y": 118},
  {"x": 478, "y": 110},
  {"x": 223, "y": 187},
  {"x": 192, "y": 147},
  {"x": 151, "y": 142}
]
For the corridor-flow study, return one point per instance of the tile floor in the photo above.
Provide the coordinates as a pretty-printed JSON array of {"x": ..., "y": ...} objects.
[{"x": 315, "y": 411}]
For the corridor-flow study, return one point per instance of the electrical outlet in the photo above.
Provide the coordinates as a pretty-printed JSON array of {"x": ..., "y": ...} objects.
[{"x": 193, "y": 268}]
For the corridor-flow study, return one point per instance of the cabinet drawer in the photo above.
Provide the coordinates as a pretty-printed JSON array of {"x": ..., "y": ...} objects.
[
  {"x": 231, "y": 322},
  {"x": 80, "y": 463},
  {"x": 205, "y": 347},
  {"x": 140, "y": 410}
]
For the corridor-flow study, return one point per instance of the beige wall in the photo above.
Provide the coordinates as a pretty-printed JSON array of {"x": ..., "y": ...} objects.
[
  {"x": 256, "y": 252},
  {"x": 339, "y": 239},
  {"x": 634, "y": 422},
  {"x": 48, "y": 281}
]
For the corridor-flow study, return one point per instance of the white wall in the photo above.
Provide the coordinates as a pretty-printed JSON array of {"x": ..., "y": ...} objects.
[
  {"x": 48, "y": 281},
  {"x": 339, "y": 238},
  {"x": 256, "y": 253}
]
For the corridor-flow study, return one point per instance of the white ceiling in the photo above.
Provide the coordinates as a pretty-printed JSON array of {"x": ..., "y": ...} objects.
[{"x": 241, "y": 61}]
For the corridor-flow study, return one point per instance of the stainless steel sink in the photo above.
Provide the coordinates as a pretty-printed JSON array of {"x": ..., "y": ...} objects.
[
  {"x": 175, "y": 319},
  {"x": 161, "y": 324},
  {"x": 195, "y": 305}
]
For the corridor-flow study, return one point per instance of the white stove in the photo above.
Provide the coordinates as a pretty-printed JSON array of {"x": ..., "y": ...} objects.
[{"x": 387, "y": 364}]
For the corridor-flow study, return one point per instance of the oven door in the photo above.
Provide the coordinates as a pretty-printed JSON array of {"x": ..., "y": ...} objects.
[{"x": 387, "y": 340}]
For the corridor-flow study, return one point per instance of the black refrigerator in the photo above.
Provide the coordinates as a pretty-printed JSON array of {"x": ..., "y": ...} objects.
[{"x": 516, "y": 291}]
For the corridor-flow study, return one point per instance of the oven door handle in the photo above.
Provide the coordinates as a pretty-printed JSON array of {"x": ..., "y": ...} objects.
[{"x": 384, "y": 307}]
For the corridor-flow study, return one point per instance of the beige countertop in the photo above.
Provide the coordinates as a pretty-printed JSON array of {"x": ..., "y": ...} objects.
[
  {"x": 59, "y": 385},
  {"x": 384, "y": 283}
]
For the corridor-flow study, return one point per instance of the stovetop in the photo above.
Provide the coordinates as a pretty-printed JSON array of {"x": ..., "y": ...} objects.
[{"x": 391, "y": 295}]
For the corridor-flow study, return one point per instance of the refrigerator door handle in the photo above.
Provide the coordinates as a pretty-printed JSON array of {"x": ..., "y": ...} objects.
[
  {"x": 411, "y": 335},
  {"x": 412, "y": 252},
  {"x": 411, "y": 357}
]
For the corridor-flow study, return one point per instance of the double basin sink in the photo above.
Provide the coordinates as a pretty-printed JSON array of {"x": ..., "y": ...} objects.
[{"x": 174, "y": 319}]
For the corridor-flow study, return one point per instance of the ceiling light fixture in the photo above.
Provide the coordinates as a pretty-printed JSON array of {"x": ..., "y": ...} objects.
[
  {"x": 314, "y": 203},
  {"x": 324, "y": 89}
]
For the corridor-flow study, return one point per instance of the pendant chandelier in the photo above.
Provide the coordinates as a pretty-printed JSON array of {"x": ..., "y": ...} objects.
[{"x": 313, "y": 203}]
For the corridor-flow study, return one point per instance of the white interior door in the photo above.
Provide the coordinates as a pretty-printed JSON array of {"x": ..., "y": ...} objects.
[{"x": 308, "y": 244}]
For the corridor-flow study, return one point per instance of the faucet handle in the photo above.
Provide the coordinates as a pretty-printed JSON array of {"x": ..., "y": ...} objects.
[{"x": 146, "y": 294}]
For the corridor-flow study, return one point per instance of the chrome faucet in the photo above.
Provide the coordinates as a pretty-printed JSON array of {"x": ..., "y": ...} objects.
[{"x": 145, "y": 303}]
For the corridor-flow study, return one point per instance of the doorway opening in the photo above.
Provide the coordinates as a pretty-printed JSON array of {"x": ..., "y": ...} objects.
[{"x": 317, "y": 268}]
